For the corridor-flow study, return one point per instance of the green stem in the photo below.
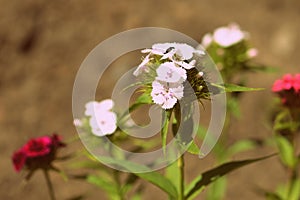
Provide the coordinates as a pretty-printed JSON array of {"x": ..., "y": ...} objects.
[
  {"x": 293, "y": 178},
  {"x": 118, "y": 182},
  {"x": 49, "y": 184},
  {"x": 180, "y": 163}
]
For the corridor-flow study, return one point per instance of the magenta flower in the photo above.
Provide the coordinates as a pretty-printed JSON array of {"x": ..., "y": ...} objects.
[
  {"x": 288, "y": 88},
  {"x": 288, "y": 82},
  {"x": 37, "y": 153}
]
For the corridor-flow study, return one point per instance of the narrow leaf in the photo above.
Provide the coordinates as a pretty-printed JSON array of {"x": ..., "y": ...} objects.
[
  {"x": 153, "y": 177},
  {"x": 213, "y": 174},
  {"x": 191, "y": 185},
  {"x": 241, "y": 146},
  {"x": 102, "y": 183},
  {"x": 236, "y": 88},
  {"x": 193, "y": 148}
]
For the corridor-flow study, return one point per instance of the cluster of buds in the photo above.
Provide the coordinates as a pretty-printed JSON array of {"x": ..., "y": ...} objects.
[
  {"x": 37, "y": 153},
  {"x": 167, "y": 70}
]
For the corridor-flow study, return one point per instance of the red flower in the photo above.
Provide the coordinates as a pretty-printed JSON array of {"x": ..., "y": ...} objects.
[
  {"x": 19, "y": 159},
  {"x": 288, "y": 89},
  {"x": 38, "y": 147},
  {"x": 37, "y": 153}
]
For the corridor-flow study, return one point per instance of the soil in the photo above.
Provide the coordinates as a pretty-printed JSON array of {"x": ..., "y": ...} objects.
[{"x": 43, "y": 43}]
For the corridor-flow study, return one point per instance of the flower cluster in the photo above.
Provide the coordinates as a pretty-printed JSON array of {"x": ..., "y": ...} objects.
[
  {"x": 102, "y": 120},
  {"x": 37, "y": 153},
  {"x": 228, "y": 46},
  {"x": 167, "y": 67},
  {"x": 225, "y": 36},
  {"x": 288, "y": 88}
]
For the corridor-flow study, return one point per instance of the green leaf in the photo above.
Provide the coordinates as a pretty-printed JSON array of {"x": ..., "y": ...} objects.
[
  {"x": 272, "y": 196},
  {"x": 144, "y": 98},
  {"x": 193, "y": 148},
  {"x": 295, "y": 190},
  {"x": 236, "y": 88},
  {"x": 241, "y": 146},
  {"x": 217, "y": 190},
  {"x": 161, "y": 182},
  {"x": 108, "y": 186},
  {"x": 172, "y": 173},
  {"x": 213, "y": 174},
  {"x": 152, "y": 177},
  {"x": 261, "y": 68},
  {"x": 234, "y": 107},
  {"x": 191, "y": 185},
  {"x": 286, "y": 151}
]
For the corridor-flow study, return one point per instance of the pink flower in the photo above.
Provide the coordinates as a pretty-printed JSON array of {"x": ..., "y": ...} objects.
[
  {"x": 37, "y": 153},
  {"x": 296, "y": 84},
  {"x": 288, "y": 88},
  {"x": 286, "y": 83}
]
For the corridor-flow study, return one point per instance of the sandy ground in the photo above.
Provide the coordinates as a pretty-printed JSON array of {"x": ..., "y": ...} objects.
[{"x": 42, "y": 44}]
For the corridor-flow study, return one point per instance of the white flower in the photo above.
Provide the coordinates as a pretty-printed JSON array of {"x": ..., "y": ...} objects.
[
  {"x": 169, "y": 72},
  {"x": 228, "y": 36},
  {"x": 184, "y": 51},
  {"x": 143, "y": 66},
  {"x": 103, "y": 123},
  {"x": 102, "y": 120},
  {"x": 166, "y": 94},
  {"x": 179, "y": 53},
  {"x": 94, "y": 107}
]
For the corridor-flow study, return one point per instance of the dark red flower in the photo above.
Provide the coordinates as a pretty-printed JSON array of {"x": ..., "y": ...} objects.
[
  {"x": 19, "y": 159},
  {"x": 38, "y": 146},
  {"x": 37, "y": 153}
]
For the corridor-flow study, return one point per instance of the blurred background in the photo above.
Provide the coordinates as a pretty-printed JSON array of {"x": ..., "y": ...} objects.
[{"x": 42, "y": 44}]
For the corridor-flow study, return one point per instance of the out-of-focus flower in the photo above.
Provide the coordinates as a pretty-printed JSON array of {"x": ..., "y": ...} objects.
[
  {"x": 230, "y": 49},
  {"x": 103, "y": 121},
  {"x": 228, "y": 36},
  {"x": 37, "y": 153},
  {"x": 165, "y": 94},
  {"x": 252, "y": 52},
  {"x": 207, "y": 40},
  {"x": 288, "y": 88},
  {"x": 19, "y": 159},
  {"x": 286, "y": 83}
]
